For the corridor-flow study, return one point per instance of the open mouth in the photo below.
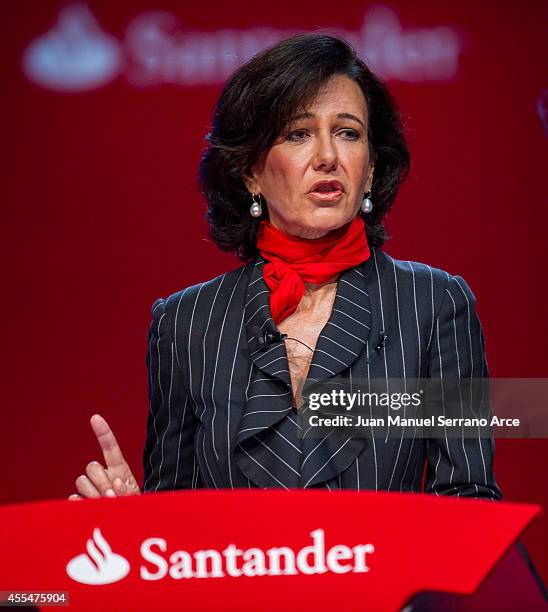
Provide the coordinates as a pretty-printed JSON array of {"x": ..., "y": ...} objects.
[{"x": 326, "y": 188}]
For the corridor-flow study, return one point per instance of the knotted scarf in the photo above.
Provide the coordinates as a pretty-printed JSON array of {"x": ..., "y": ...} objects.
[{"x": 292, "y": 261}]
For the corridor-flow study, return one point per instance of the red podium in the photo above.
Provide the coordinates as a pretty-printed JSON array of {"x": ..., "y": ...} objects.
[{"x": 257, "y": 550}]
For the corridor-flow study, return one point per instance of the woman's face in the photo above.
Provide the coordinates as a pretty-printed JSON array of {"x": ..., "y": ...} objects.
[{"x": 327, "y": 143}]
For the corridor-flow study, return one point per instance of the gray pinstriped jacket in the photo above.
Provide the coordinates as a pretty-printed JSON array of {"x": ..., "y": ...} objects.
[{"x": 220, "y": 413}]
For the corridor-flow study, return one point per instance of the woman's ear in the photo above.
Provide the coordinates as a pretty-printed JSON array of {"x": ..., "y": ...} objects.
[
  {"x": 252, "y": 176},
  {"x": 250, "y": 183}
]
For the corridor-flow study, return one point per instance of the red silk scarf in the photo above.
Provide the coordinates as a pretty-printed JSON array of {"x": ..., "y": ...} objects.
[{"x": 292, "y": 261}]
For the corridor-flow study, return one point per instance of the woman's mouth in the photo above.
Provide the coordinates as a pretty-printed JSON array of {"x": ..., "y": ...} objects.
[
  {"x": 326, "y": 191},
  {"x": 325, "y": 196}
]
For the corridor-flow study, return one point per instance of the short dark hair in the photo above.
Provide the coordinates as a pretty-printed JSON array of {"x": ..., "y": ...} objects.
[{"x": 258, "y": 102}]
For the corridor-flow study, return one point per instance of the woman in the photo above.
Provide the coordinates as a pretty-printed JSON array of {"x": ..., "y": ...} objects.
[{"x": 304, "y": 160}]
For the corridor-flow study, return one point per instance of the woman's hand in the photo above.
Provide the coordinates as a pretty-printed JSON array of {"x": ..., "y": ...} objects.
[{"x": 117, "y": 479}]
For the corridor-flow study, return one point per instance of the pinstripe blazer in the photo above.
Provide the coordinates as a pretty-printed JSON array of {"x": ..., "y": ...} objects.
[{"x": 220, "y": 409}]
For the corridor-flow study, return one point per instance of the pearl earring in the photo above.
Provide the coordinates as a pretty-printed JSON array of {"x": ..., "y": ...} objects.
[
  {"x": 367, "y": 205},
  {"x": 256, "y": 210}
]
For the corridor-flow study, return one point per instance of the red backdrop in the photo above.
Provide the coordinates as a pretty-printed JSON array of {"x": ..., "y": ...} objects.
[{"x": 102, "y": 214}]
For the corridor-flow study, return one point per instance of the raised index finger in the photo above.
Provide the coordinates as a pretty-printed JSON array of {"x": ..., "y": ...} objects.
[{"x": 111, "y": 451}]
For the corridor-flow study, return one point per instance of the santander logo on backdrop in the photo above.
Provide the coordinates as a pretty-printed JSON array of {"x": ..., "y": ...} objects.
[
  {"x": 75, "y": 54},
  {"x": 102, "y": 566}
]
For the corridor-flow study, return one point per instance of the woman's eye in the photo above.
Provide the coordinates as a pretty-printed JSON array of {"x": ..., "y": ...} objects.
[
  {"x": 299, "y": 135},
  {"x": 296, "y": 135},
  {"x": 351, "y": 134}
]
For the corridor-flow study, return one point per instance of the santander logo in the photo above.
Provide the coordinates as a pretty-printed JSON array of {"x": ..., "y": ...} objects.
[
  {"x": 76, "y": 54},
  {"x": 100, "y": 565}
]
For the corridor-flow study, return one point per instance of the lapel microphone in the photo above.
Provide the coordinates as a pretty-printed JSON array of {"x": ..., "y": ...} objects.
[
  {"x": 382, "y": 341},
  {"x": 267, "y": 338}
]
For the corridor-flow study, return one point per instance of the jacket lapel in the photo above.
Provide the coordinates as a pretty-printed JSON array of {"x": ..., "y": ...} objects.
[
  {"x": 341, "y": 346},
  {"x": 268, "y": 450},
  {"x": 346, "y": 332},
  {"x": 258, "y": 320},
  {"x": 267, "y": 446}
]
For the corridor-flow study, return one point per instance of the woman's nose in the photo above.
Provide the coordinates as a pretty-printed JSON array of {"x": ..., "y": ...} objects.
[{"x": 325, "y": 154}]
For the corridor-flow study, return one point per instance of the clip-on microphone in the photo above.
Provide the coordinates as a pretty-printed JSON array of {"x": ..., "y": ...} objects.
[{"x": 267, "y": 338}]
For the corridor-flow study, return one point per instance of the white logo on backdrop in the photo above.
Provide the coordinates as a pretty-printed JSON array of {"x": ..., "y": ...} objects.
[
  {"x": 76, "y": 55},
  {"x": 100, "y": 565}
]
